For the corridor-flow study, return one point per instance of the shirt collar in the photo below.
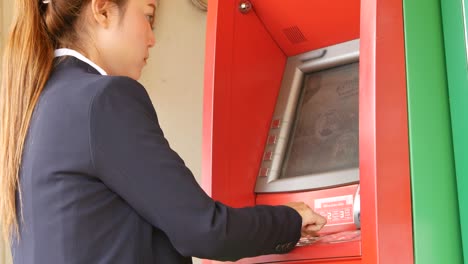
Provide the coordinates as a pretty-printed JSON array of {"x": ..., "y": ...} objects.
[{"x": 76, "y": 54}]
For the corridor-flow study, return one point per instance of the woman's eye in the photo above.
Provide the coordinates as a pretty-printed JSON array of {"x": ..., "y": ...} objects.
[{"x": 150, "y": 19}]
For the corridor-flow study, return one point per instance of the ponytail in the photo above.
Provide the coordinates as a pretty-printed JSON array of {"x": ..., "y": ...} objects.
[
  {"x": 38, "y": 28},
  {"x": 27, "y": 62}
]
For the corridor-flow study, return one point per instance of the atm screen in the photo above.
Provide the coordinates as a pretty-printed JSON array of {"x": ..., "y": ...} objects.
[
  {"x": 325, "y": 135},
  {"x": 313, "y": 141}
]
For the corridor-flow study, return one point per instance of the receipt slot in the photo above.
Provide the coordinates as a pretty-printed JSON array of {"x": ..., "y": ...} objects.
[{"x": 297, "y": 107}]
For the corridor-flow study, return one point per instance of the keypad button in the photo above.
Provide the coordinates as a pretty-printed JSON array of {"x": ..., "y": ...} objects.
[
  {"x": 268, "y": 155},
  {"x": 264, "y": 172},
  {"x": 276, "y": 123},
  {"x": 272, "y": 139}
]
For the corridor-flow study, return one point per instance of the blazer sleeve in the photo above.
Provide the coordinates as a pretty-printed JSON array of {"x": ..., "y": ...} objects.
[{"x": 132, "y": 157}]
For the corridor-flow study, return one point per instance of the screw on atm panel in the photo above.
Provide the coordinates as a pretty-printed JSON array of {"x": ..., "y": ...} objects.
[{"x": 245, "y": 7}]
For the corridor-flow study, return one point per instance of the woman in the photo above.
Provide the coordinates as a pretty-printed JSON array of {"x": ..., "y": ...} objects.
[{"x": 87, "y": 175}]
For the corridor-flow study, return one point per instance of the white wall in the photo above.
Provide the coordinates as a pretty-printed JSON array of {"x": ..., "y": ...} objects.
[{"x": 173, "y": 78}]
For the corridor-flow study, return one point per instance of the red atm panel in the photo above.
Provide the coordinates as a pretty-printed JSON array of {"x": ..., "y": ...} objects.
[{"x": 299, "y": 25}]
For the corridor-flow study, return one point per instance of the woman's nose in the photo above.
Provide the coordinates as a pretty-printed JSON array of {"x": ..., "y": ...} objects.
[{"x": 152, "y": 40}]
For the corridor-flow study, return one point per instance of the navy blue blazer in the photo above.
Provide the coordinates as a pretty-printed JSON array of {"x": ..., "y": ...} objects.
[{"x": 100, "y": 184}]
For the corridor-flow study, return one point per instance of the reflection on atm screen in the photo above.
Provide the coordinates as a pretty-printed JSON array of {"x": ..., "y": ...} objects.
[{"x": 325, "y": 132}]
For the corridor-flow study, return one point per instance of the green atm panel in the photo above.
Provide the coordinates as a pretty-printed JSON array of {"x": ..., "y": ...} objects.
[
  {"x": 454, "y": 17},
  {"x": 436, "y": 223}
]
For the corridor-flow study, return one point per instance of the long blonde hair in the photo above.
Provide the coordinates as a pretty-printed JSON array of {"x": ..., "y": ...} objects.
[{"x": 37, "y": 29}]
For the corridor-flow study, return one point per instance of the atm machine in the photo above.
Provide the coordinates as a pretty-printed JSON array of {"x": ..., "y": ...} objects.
[{"x": 306, "y": 100}]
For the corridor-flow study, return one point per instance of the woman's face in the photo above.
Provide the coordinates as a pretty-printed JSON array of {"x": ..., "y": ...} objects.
[{"x": 123, "y": 47}]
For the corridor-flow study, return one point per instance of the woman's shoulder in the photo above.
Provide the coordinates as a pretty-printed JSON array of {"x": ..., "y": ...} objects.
[
  {"x": 121, "y": 90},
  {"x": 77, "y": 80}
]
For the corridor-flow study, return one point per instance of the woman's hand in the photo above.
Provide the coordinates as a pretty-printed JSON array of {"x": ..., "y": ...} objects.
[{"x": 311, "y": 221}]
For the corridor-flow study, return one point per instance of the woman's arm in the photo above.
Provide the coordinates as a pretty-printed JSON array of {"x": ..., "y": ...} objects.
[{"x": 132, "y": 157}]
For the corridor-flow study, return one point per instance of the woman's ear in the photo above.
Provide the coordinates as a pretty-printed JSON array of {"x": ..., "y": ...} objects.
[{"x": 104, "y": 12}]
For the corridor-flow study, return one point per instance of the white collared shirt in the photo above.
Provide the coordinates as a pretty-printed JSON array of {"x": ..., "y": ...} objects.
[{"x": 81, "y": 57}]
